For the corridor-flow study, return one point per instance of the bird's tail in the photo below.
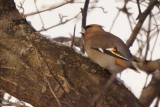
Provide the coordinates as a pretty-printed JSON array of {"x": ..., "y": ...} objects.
[
  {"x": 134, "y": 65},
  {"x": 134, "y": 68}
]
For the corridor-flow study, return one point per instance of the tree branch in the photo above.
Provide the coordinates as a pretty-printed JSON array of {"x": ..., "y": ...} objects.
[
  {"x": 84, "y": 18},
  {"x": 142, "y": 18},
  {"x": 50, "y": 8},
  {"x": 22, "y": 69},
  {"x": 150, "y": 92}
]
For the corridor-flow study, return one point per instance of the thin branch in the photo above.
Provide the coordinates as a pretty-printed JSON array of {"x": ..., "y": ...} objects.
[
  {"x": 125, "y": 10},
  {"x": 148, "y": 39},
  {"x": 84, "y": 18},
  {"x": 53, "y": 93},
  {"x": 139, "y": 9},
  {"x": 50, "y": 8},
  {"x": 39, "y": 14},
  {"x": 21, "y": 6},
  {"x": 67, "y": 20},
  {"x": 102, "y": 8},
  {"x": 146, "y": 80},
  {"x": 129, "y": 20},
  {"x": 73, "y": 37},
  {"x": 61, "y": 17},
  {"x": 114, "y": 20},
  {"x": 84, "y": 13},
  {"x": 156, "y": 39},
  {"x": 150, "y": 92},
  {"x": 140, "y": 22}
]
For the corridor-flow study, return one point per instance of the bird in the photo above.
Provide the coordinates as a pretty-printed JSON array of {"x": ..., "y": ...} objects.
[{"x": 106, "y": 49}]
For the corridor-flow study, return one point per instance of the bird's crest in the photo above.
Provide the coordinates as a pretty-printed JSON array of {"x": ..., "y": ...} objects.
[{"x": 93, "y": 25}]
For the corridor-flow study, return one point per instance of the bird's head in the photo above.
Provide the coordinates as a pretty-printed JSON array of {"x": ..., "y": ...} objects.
[{"x": 92, "y": 28}]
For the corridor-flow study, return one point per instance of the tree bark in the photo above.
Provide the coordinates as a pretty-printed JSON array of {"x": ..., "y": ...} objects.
[
  {"x": 47, "y": 74},
  {"x": 150, "y": 92}
]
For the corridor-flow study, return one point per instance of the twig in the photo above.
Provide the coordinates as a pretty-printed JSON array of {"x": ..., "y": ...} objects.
[
  {"x": 73, "y": 37},
  {"x": 156, "y": 39},
  {"x": 102, "y": 8},
  {"x": 140, "y": 22},
  {"x": 139, "y": 9},
  {"x": 129, "y": 20},
  {"x": 146, "y": 80},
  {"x": 84, "y": 18},
  {"x": 61, "y": 17},
  {"x": 148, "y": 39},
  {"x": 50, "y": 8},
  {"x": 125, "y": 10},
  {"x": 21, "y": 6},
  {"x": 49, "y": 85},
  {"x": 39, "y": 14},
  {"x": 84, "y": 13},
  {"x": 67, "y": 20},
  {"x": 114, "y": 20},
  {"x": 53, "y": 7}
]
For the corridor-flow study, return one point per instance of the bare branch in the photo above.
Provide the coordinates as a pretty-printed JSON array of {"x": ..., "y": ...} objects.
[
  {"x": 150, "y": 92},
  {"x": 50, "y": 8},
  {"x": 39, "y": 14},
  {"x": 84, "y": 18},
  {"x": 114, "y": 20},
  {"x": 73, "y": 37},
  {"x": 148, "y": 38},
  {"x": 139, "y": 9},
  {"x": 102, "y": 8},
  {"x": 84, "y": 13},
  {"x": 62, "y": 23},
  {"x": 140, "y": 22},
  {"x": 149, "y": 66}
]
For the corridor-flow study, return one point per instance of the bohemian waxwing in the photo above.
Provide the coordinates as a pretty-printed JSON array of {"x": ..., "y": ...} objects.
[{"x": 107, "y": 50}]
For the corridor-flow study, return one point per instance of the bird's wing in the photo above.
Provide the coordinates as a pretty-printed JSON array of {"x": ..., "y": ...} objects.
[
  {"x": 104, "y": 41},
  {"x": 110, "y": 52}
]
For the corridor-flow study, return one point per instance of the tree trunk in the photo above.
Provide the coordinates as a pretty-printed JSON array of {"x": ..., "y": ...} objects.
[{"x": 46, "y": 74}]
